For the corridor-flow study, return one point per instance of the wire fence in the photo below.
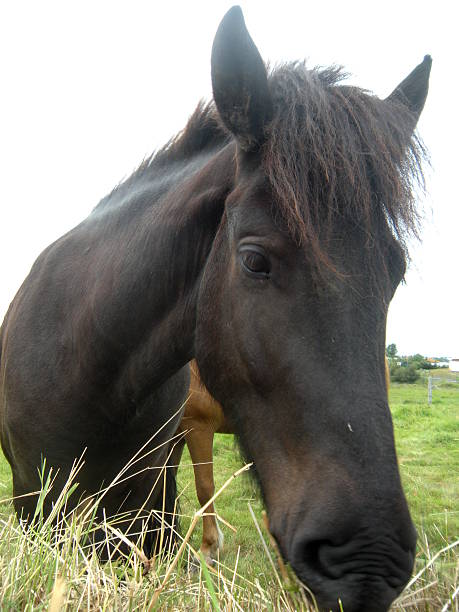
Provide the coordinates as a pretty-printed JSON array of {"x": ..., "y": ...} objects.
[{"x": 447, "y": 379}]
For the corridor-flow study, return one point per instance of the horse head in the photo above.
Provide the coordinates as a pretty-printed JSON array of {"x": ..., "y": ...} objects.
[{"x": 292, "y": 310}]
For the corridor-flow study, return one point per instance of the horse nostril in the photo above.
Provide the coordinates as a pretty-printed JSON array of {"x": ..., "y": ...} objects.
[
  {"x": 323, "y": 558},
  {"x": 380, "y": 560}
]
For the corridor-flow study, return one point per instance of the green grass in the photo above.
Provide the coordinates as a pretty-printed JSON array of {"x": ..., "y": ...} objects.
[{"x": 427, "y": 439}]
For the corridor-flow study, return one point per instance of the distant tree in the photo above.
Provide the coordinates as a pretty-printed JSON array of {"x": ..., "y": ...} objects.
[
  {"x": 418, "y": 362},
  {"x": 391, "y": 351}
]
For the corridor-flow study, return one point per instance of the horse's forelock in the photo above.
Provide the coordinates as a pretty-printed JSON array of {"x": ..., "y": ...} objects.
[{"x": 336, "y": 153}]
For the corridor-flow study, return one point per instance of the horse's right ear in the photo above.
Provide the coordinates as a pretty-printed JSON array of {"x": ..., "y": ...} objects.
[
  {"x": 239, "y": 81},
  {"x": 412, "y": 91}
]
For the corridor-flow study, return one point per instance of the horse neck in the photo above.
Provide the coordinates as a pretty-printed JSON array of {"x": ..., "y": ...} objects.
[{"x": 148, "y": 284}]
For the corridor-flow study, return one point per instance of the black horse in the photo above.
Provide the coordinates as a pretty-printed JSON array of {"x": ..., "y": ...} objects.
[{"x": 266, "y": 241}]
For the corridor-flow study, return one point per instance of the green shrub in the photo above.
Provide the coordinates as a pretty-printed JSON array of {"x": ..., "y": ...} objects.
[{"x": 408, "y": 374}]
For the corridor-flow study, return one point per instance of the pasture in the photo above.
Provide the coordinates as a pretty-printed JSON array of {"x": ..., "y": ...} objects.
[{"x": 35, "y": 575}]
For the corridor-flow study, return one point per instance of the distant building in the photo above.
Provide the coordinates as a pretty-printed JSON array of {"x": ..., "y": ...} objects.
[
  {"x": 454, "y": 365},
  {"x": 437, "y": 363}
]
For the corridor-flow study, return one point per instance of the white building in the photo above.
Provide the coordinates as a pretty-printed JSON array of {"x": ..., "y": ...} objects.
[{"x": 454, "y": 365}]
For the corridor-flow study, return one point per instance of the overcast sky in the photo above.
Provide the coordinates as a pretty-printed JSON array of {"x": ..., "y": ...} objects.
[{"x": 89, "y": 88}]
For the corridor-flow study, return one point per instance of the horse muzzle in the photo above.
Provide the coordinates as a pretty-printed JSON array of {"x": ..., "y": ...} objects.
[
  {"x": 360, "y": 565},
  {"x": 363, "y": 578}
]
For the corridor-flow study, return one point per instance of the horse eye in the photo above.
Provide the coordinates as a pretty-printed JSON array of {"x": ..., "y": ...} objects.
[{"x": 255, "y": 263}]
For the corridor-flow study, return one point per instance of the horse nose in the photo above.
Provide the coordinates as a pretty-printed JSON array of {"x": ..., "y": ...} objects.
[{"x": 364, "y": 573}]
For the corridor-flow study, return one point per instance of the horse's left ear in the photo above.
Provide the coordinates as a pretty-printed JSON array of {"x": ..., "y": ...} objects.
[
  {"x": 412, "y": 91},
  {"x": 240, "y": 82}
]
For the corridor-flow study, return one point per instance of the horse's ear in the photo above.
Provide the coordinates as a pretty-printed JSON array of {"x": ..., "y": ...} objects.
[
  {"x": 412, "y": 91},
  {"x": 239, "y": 81}
]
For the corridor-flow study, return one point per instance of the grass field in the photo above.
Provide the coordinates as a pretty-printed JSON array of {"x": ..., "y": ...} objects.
[{"x": 35, "y": 576}]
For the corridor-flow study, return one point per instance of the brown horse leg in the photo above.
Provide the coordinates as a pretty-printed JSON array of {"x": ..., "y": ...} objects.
[{"x": 200, "y": 445}]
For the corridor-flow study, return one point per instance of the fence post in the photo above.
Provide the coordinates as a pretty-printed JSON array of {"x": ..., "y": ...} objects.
[{"x": 429, "y": 390}]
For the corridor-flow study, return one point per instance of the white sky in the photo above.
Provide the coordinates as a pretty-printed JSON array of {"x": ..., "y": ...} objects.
[{"x": 91, "y": 87}]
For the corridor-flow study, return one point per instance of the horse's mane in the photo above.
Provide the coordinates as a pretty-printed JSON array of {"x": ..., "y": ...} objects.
[
  {"x": 203, "y": 132},
  {"x": 336, "y": 154}
]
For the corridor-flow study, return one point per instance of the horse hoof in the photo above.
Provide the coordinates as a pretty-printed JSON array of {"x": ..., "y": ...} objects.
[{"x": 194, "y": 565}]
